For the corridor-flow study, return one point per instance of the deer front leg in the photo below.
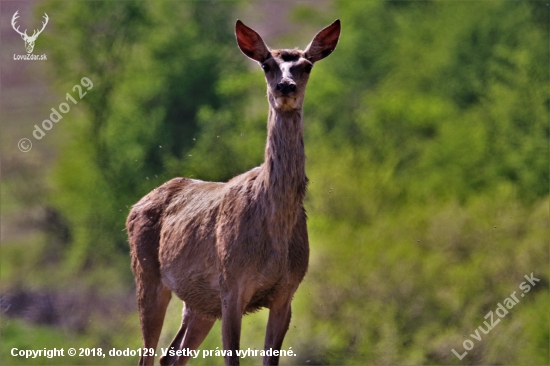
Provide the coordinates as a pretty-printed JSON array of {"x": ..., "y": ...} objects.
[
  {"x": 234, "y": 302},
  {"x": 232, "y": 313},
  {"x": 277, "y": 326}
]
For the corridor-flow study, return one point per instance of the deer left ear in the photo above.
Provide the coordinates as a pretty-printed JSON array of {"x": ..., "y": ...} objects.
[
  {"x": 324, "y": 42},
  {"x": 251, "y": 43}
]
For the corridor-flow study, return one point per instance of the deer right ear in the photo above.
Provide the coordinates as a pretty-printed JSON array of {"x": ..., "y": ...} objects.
[{"x": 250, "y": 43}]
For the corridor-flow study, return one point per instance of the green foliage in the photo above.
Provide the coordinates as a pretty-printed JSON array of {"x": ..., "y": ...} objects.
[
  {"x": 454, "y": 104},
  {"x": 154, "y": 68},
  {"x": 20, "y": 335},
  {"x": 428, "y": 155},
  {"x": 418, "y": 280}
]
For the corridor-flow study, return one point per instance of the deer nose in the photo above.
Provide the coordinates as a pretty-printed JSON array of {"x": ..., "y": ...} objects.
[{"x": 286, "y": 87}]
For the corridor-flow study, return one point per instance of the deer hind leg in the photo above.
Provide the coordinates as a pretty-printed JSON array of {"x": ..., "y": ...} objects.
[
  {"x": 277, "y": 326},
  {"x": 177, "y": 341},
  {"x": 153, "y": 299},
  {"x": 194, "y": 329},
  {"x": 152, "y": 296}
]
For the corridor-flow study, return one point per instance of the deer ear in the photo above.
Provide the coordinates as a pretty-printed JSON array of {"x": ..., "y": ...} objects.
[
  {"x": 323, "y": 43},
  {"x": 250, "y": 43}
]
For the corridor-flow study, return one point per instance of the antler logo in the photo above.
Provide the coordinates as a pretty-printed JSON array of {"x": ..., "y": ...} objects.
[{"x": 29, "y": 41}]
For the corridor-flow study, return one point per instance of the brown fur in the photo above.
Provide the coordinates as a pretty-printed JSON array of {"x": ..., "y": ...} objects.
[{"x": 227, "y": 249}]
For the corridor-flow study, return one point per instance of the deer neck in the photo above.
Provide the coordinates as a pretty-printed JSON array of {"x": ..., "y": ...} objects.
[{"x": 283, "y": 172}]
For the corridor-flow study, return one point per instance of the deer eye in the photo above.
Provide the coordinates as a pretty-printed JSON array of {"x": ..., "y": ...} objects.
[
  {"x": 266, "y": 67},
  {"x": 307, "y": 68}
]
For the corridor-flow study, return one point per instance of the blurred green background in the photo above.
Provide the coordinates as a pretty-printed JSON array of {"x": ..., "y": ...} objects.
[{"x": 427, "y": 137}]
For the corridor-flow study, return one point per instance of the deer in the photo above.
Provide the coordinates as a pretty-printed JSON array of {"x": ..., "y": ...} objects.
[
  {"x": 229, "y": 249},
  {"x": 29, "y": 41}
]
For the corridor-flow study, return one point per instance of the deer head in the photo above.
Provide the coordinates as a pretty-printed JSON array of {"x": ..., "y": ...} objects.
[
  {"x": 29, "y": 41},
  {"x": 287, "y": 71}
]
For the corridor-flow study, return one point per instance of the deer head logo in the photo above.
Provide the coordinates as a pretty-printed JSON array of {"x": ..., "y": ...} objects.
[{"x": 29, "y": 41}]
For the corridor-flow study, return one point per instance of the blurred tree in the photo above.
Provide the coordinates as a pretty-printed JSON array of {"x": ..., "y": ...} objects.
[
  {"x": 154, "y": 67},
  {"x": 439, "y": 99}
]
